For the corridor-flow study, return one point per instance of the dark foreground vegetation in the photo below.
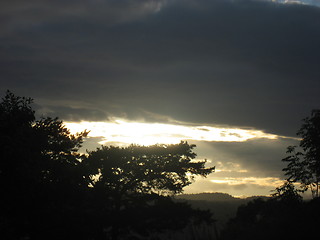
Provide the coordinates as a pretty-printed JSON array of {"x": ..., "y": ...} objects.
[
  {"x": 51, "y": 191},
  {"x": 286, "y": 215},
  {"x": 277, "y": 217},
  {"x": 222, "y": 205}
]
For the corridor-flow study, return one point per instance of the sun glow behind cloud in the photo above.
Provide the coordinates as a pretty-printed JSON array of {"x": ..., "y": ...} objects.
[{"x": 126, "y": 132}]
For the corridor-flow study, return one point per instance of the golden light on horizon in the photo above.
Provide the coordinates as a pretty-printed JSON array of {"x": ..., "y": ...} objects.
[
  {"x": 259, "y": 181},
  {"x": 126, "y": 132}
]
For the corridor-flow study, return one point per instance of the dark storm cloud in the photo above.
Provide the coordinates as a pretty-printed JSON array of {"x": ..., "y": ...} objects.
[
  {"x": 19, "y": 14},
  {"x": 75, "y": 114},
  {"x": 241, "y": 63}
]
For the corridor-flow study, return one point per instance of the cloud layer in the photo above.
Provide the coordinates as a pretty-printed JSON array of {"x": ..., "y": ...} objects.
[
  {"x": 241, "y": 63},
  {"x": 123, "y": 132},
  {"x": 237, "y": 64}
]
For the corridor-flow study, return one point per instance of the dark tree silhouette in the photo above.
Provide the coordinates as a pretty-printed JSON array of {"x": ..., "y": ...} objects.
[
  {"x": 50, "y": 191},
  {"x": 286, "y": 215},
  {"x": 161, "y": 169},
  {"x": 139, "y": 177},
  {"x": 259, "y": 219},
  {"x": 304, "y": 166},
  {"x": 40, "y": 172},
  {"x": 287, "y": 192}
]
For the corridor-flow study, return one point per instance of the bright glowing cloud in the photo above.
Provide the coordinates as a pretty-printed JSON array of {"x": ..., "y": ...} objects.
[
  {"x": 303, "y": 2},
  {"x": 229, "y": 167},
  {"x": 263, "y": 181},
  {"x": 125, "y": 132}
]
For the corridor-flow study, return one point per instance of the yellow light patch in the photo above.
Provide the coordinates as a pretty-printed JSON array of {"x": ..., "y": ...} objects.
[
  {"x": 126, "y": 132},
  {"x": 263, "y": 181}
]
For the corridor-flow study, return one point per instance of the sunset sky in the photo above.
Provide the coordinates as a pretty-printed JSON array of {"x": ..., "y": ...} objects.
[{"x": 234, "y": 77}]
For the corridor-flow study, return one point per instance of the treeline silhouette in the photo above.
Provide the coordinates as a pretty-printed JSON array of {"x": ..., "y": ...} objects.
[
  {"x": 222, "y": 205},
  {"x": 286, "y": 215},
  {"x": 49, "y": 190},
  {"x": 259, "y": 217},
  {"x": 275, "y": 219}
]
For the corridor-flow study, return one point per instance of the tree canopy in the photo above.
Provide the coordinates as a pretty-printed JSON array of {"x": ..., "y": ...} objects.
[
  {"x": 142, "y": 177},
  {"x": 51, "y": 191},
  {"x": 285, "y": 215},
  {"x": 40, "y": 171},
  {"x": 304, "y": 162},
  {"x": 160, "y": 169}
]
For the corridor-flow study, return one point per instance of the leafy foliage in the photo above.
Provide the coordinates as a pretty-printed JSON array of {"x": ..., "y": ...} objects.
[
  {"x": 304, "y": 166},
  {"x": 40, "y": 171},
  {"x": 286, "y": 215},
  {"x": 157, "y": 169},
  {"x": 139, "y": 177},
  {"x": 287, "y": 192},
  {"x": 51, "y": 191},
  {"x": 277, "y": 218}
]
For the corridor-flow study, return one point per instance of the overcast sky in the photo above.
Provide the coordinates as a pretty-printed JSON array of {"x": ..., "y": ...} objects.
[{"x": 238, "y": 64}]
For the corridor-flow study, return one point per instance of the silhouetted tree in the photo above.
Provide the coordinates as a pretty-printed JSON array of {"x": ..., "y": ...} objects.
[
  {"x": 286, "y": 215},
  {"x": 304, "y": 166},
  {"x": 139, "y": 177},
  {"x": 40, "y": 175},
  {"x": 157, "y": 169},
  {"x": 287, "y": 192},
  {"x": 50, "y": 191},
  {"x": 276, "y": 218}
]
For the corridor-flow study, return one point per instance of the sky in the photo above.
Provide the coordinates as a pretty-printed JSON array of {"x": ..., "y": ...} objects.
[{"x": 234, "y": 77}]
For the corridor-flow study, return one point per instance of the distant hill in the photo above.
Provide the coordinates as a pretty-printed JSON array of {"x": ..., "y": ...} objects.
[
  {"x": 216, "y": 197},
  {"x": 222, "y": 205},
  {"x": 212, "y": 197}
]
